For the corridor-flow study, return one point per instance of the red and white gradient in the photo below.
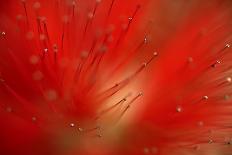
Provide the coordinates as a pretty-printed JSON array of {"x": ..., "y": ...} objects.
[{"x": 109, "y": 77}]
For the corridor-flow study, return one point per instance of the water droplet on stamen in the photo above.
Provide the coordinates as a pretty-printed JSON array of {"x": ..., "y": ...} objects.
[
  {"x": 80, "y": 129},
  {"x": 227, "y": 45},
  {"x": 36, "y": 5},
  {"x": 226, "y": 97},
  {"x": 146, "y": 150},
  {"x": 228, "y": 79},
  {"x": 179, "y": 109},
  {"x": 205, "y": 97},
  {"x": 72, "y": 125}
]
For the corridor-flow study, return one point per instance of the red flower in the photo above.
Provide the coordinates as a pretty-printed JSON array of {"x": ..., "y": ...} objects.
[{"x": 115, "y": 77}]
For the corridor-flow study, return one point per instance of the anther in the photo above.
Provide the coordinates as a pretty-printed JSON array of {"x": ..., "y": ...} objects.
[
  {"x": 210, "y": 141},
  {"x": 55, "y": 48},
  {"x": 80, "y": 129},
  {"x": 72, "y": 125},
  {"x": 205, "y": 97},
  {"x": 228, "y": 79},
  {"x": 190, "y": 59},
  {"x": 179, "y": 109},
  {"x": 155, "y": 54},
  {"x": 227, "y": 45},
  {"x": 3, "y": 33}
]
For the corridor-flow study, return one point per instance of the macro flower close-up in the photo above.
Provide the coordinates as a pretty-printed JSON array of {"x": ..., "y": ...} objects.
[{"x": 115, "y": 77}]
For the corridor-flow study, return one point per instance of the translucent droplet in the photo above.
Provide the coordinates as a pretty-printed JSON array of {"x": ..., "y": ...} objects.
[
  {"x": 179, "y": 109},
  {"x": 227, "y": 97},
  {"x": 210, "y": 141},
  {"x": 8, "y": 109},
  {"x": 3, "y": 33},
  {"x": 72, "y": 125},
  {"x": 228, "y": 79},
  {"x": 154, "y": 150},
  {"x": 36, "y": 5}
]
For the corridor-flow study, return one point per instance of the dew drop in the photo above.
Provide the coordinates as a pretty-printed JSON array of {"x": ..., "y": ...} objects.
[
  {"x": 179, "y": 109},
  {"x": 228, "y": 79},
  {"x": 205, "y": 97},
  {"x": 42, "y": 37},
  {"x": 72, "y": 125},
  {"x": 80, "y": 129},
  {"x": 3, "y": 33}
]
